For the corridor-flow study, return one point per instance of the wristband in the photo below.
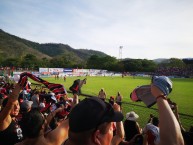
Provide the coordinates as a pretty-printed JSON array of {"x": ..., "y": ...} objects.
[{"x": 161, "y": 96}]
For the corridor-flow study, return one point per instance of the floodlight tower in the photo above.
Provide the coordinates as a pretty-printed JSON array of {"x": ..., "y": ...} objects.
[{"x": 120, "y": 52}]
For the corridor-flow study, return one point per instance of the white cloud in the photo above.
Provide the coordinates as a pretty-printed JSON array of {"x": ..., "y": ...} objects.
[{"x": 146, "y": 29}]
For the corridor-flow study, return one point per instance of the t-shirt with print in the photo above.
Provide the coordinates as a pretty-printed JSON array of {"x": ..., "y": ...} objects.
[{"x": 11, "y": 135}]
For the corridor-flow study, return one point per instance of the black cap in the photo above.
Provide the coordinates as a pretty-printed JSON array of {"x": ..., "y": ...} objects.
[{"x": 90, "y": 113}]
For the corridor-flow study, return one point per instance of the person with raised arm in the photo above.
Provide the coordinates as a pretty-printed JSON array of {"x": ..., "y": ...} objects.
[
  {"x": 120, "y": 133},
  {"x": 170, "y": 133},
  {"x": 34, "y": 126},
  {"x": 10, "y": 131}
]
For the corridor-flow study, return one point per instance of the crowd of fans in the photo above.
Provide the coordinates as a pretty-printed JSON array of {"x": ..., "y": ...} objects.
[
  {"x": 39, "y": 117},
  {"x": 175, "y": 71}
]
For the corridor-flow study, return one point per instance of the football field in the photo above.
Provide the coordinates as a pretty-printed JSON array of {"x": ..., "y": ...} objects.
[{"x": 182, "y": 93}]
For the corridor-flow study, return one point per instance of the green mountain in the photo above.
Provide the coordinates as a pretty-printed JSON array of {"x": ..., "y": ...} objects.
[{"x": 12, "y": 47}]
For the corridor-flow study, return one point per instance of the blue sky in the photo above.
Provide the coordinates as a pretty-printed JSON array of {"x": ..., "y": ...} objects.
[{"x": 146, "y": 29}]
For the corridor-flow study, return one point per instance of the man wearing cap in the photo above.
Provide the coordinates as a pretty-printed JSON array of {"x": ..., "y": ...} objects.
[{"x": 91, "y": 123}]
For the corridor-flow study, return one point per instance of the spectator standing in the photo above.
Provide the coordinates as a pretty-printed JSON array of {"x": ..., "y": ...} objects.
[
  {"x": 64, "y": 78},
  {"x": 91, "y": 123},
  {"x": 35, "y": 99},
  {"x": 112, "y": 100},
  {"x": 2, "y": 89},
  {"x": 26, "y": 106},
  {"x": 102, "y": 94},
  {"x": 119, "y": 99},
  {"x": 34, "y": 126},
  {"x": 120, "y": 133},
  {"x": 131, "y": 126},
  {"x": 42, "y": 101},
  {"x": 25, "y": 94},
  {"x": 151, "y": 132},
  {"x": 53, "y": 102},
  {"x": 10, "y": 131}
]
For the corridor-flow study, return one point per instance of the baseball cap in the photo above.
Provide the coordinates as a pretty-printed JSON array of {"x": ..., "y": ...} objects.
[
  {"x": 143, "y": 93},
  {"x": 163, "y": 83},
  {"x": 90, "y": 113}
]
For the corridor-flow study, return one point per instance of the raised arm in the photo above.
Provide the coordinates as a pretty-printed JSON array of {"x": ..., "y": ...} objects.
[
  {"x": 170, "y": 133},
  {"x": 52, "y": 115},
  {"x": 75, "y": 100},
  {"x": 120, "y": 133},
  {"x": 59, "y": 134},
  {"x": 5, "y": 118}
]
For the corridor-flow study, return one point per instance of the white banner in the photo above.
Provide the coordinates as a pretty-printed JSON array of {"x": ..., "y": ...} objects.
[{"x": 43, "y": 70}]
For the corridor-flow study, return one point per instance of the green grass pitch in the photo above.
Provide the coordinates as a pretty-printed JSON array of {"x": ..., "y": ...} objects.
[{"x": 182, "y": 92}]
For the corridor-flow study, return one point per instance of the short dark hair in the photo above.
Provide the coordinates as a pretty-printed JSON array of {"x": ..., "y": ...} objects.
[
  {"x": 155, "y": 121},
  {"x": 31, "y": 123}
]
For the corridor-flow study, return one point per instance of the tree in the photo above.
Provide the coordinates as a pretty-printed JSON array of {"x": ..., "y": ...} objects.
[
  {"x": 44, "y": 62},
  {"x": 173, "y": 62},
  {"x": 132, "y": 65},
  {"x": 11, "y": 62},
  {"x": 94, "y": 62},
  {"x": 109, "y": 63},
  {"x": 56, "y": 62},
  {"x": 148, "y": 66},
  {"x": 29, "y": 61},
  {"x": 141, "y": 65},
  {"x": 106, "y": 62},
  {"x": 188, "y": 61},
  {"x": 1, "y": 57}
]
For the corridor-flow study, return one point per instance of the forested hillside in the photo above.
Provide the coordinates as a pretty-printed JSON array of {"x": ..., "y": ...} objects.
[{"x": 14, "y": 47}]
